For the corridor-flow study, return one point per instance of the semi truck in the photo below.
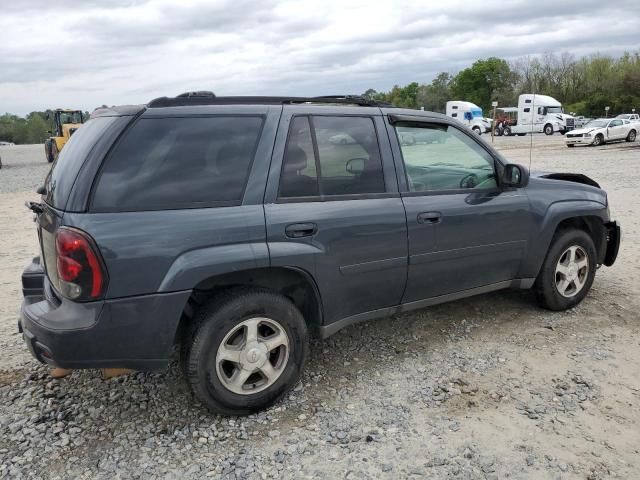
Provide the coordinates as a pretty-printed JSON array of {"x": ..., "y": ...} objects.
[
  {"x": 540, "y": 113},
  {"x": 469, "y": 114}
]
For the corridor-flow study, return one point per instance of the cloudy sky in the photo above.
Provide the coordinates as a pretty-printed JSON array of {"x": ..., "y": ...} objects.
[{"x": 85, "y": 53}]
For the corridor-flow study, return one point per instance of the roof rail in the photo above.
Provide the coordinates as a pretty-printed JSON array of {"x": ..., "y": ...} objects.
[{"x": 209, "y": 98}]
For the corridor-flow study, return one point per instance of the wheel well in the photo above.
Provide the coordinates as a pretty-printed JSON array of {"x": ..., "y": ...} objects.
[
  {"x": 591, "y": 225},
  {"x": 297, "y": 285}
]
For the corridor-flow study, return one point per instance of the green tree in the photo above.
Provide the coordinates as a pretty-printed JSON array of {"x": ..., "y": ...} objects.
[{"x": 485, "y": 81}]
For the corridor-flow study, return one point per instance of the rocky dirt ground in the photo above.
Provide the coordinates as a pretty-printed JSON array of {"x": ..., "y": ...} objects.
[{"x": 488, "y": 387}]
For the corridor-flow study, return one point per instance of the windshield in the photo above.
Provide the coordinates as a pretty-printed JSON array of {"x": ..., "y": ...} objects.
[
  {"x": 476, "y": 112},
  {"x": 597, "y": 123},
  {"x": 555, "y": 110},
  {"x": 70, "y": 117}
]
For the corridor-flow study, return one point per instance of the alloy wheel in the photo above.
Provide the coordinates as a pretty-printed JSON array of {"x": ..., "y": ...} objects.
[
  {"x": 572, "y": 271},
  {"x": 252, "y": 356}
]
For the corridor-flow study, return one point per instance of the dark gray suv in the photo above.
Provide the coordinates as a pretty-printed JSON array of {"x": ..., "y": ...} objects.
[{"x": 235, "y": 227}]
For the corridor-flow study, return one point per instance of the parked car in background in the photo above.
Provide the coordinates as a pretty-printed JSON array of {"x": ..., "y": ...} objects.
[
  {"x": 632, "y": 117},
  {"x": 6, "y": 144},
  {"x": 237, "y": 227},
  {"x": 601, "y": 131}
]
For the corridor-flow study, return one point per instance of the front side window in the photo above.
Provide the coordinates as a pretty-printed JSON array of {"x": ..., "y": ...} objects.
[
  {"x": 173, "y": 163},
  {"x": 328, "y": 156},
  {"x": 441, "y": 157}
]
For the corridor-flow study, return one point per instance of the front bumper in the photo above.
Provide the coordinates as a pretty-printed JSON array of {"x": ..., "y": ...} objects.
[
  {"x": 614, "y": 237},
  {"x": 578, "y": 140},
  {"x": 134, "y": 332}
]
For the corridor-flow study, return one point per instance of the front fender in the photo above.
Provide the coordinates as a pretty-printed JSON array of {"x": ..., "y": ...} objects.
[
  {"x": 554, "y": 215},
  {"x": 194, "y": 266}
]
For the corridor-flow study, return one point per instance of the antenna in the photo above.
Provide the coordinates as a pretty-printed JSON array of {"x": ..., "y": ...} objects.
[{"x": 533, "y": 112}]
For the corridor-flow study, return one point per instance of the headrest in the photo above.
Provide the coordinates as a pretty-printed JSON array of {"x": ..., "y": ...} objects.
[{"x": 295, "y": 159}]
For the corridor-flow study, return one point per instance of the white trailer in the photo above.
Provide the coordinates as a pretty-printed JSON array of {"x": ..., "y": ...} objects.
[
  {"x": 469, "y": 114},
  {"x": 541, "y": 113}
]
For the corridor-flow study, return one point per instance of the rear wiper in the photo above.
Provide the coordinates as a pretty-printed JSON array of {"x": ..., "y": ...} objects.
[{"x": 35, "y": 207}]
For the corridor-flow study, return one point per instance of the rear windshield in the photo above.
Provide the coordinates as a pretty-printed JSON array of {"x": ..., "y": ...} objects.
[
  {"x": 185, "y": 162},
  {"x": 65, "y": 169}
]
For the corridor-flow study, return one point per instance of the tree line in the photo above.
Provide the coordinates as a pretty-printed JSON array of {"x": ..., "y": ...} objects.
[{"x": 583, "y": 85}]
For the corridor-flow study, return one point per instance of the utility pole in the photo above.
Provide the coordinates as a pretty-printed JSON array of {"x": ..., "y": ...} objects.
[{"x": 606, "y": 112}]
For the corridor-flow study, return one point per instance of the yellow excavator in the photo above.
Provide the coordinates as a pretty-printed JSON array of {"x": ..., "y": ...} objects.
[{"x": 65, "y": 123}]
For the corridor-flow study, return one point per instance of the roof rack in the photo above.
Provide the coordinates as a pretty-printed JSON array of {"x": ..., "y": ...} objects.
[{"x": 209, "y": 98}]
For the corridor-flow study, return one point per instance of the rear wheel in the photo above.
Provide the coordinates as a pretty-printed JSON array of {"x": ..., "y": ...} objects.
[
  {"x": 548, "y": 129},
  {"x": 568, "y": 270},
  {"x": 507, "y": 131},
  {"x": 245, "y": 349},
  {"x": 632, "y": 136}
]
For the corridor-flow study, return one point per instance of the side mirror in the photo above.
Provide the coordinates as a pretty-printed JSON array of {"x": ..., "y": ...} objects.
[
  {"x": 515, "y": 176},
  {"x": 355, "y": 166}
]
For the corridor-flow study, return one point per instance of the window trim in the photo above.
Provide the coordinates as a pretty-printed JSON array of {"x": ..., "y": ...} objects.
[
  {"x": 322, "y": 197},
  {"x": 91, "y": 208},
  {"x": 454, "y": 191}
]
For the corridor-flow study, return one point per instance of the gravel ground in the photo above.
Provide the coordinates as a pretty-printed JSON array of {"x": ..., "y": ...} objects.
[{"x": 488, "y": 387}]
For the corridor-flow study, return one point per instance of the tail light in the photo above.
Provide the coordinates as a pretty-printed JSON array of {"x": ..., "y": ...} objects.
[{"x": 81, "y": 273}]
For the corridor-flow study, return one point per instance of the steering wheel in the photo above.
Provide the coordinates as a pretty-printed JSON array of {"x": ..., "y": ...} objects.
[{"x": 469, "y": 181}]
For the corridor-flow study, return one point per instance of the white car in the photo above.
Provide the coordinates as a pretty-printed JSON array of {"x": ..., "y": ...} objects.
[
  {"x": 602, "y": 130},
  {"x": 632, "y": 117}
]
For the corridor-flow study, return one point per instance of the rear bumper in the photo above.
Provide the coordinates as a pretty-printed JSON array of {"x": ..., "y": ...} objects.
[
  {"x": 135, "y": 332},
  {"x": 614, "y": 236}
]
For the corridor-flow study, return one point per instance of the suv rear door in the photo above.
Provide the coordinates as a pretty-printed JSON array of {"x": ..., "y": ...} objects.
[
  {"x": 333, "y": 209},
  {"x": 465, "y": 231}
]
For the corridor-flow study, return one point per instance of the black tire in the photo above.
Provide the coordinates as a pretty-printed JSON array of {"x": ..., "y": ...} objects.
[
  {"x": 547, "y": 292},
  {"x": 497, "y": 132},
  {"x": 570, "y": 145},
  {"x": 599, "y": 140},
  {"x": 631, "y": 137},
  {"x": 213, "y": 321},
  {"x": 47, "y": 150},
  {"x": 548, "y": 129},
  {"x": 507, "y": 131},
  {"x": 477, "y": 131},
  {"x": 54, "y": 152}
]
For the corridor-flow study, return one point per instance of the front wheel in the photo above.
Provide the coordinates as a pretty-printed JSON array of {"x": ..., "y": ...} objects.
[
  {"x": 477, "y": 130},
  {"x": 632, "y": 136},
  {"x": 599, "y": 140},
  {"x": 548, "y": 129},
  {"x": 568, "y": 270},
  {"x": 244, "y": 350}
]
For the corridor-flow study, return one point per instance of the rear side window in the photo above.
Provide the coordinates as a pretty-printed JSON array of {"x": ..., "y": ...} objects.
[
  {"x": 65, "y": 169},
  {"x": 173, "y": 163},
  {"x": 328, "y": 156}
]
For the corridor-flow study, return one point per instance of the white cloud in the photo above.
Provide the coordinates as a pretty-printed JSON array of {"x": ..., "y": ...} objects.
[{"x": 84, "y": 54}]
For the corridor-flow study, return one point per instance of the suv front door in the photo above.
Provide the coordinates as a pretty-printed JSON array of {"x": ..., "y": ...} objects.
[
  {"x": 333, "y": 209},
  {"x": 465, "y": 231}
]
